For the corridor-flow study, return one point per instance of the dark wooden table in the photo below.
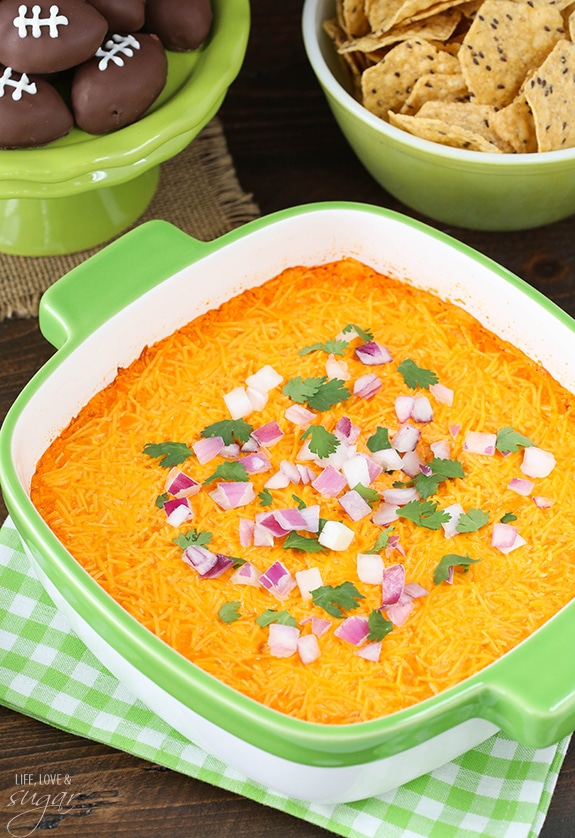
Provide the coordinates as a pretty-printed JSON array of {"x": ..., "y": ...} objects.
[{"x": 288, "y": 151}]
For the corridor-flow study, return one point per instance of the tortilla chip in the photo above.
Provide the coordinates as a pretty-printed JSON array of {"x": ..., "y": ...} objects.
[
  {"x": 438, "y": 28},
  {"x": 466, "y": 115},
  {"x": 550, "y": 94},
  {"x": 505, "y": 41},
  {"x": 386, "y": 85},
  {"x": 353, "y": 17},
  {"x": 439, "y": 131},
  {"x": 436, "y": 87},
  {"x": 514, "y": 124}
]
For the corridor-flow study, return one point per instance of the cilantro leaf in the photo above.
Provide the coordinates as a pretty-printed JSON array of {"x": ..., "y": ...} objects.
[
  {"x": 441, "y": 573},
  {"x": 229, "y": 612},
  {"x": 365, "y": 335},
  {"x": 321, "y": 442},
  {"x": 441, "y": 469},
  {"x": 229, "y": 471},
  {"x": 337, "y": 600},
  {"x": 415, "y": 376},
  {"x": 295, "y": 541},
  {"x": 319, "y": 393},
  {"x": 367, "y": 493},
  {"x": 230, "y": 430},
  {"x": 193, "y": 537},
  {"x": 379, "y": 440},
  {"x": 265, "y": 497},
  {"x": 509, "y": 516},
  {"x": 284, "y": 618},
  {"x": 161, "y": 499},
  {"x": 424, "y": 514},
  {"x": 472, "y": 521},
  {"x": 236, "y": 562},
  {"x": 171, "y": 453},
  {"x": 301, "y": 504},
  {"x": 509, "y": 440},
  {"x": 378, "y": 626},
  {"x": 381, "y": 541},
  {"x": 335, "y": 347}
]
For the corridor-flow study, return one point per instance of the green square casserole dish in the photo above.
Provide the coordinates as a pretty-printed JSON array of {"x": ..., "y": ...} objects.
[{"x": 101, "y": 315}]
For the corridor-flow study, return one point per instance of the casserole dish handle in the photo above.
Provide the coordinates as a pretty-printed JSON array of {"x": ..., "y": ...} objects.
[{"x": 106, "y": 282}]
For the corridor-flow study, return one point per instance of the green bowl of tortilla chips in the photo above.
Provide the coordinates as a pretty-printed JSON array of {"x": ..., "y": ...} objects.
[{"x": 464, "y": 111}]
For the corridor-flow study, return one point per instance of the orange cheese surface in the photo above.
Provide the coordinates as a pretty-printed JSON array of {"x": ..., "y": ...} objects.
[{"x": 98, "y": 492}]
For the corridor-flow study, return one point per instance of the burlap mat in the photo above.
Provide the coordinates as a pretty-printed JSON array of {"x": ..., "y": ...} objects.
[{"x": 198, "y": 192}]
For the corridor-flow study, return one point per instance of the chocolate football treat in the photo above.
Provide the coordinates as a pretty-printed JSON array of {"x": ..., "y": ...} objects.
[
  {"x": 118, "y": 85},
  {"x": 181, "y": 25},
  {"x": 48, "y": 37},
  {"x": 32, "y": 112},
  {"x": 121, "y": 15}
]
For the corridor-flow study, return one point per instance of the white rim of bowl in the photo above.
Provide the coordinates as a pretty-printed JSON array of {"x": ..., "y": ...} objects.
[{"x": 312, "y": 19}]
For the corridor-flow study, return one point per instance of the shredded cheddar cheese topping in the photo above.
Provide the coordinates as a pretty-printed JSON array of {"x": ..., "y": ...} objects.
[{"x": 98, "y": 491}]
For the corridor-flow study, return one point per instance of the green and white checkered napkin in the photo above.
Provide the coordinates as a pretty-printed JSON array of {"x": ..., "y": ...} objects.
[{"x": 498, "y": 789}]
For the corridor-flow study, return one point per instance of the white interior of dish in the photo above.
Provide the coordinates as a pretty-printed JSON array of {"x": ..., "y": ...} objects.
[{"x": 386, "y": 243}]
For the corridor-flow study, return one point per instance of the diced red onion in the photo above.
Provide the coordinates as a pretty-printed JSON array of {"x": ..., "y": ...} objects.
[
  {"x": 387, "y": 458},
  {"x": 337, "y": 458},
  {"x": 406, "y": 438},
  {"x": 399, "y": 497},
  {"x": 290, "y": 519},
  {"x": 454, "y": 430},
  {"x": 393, "y": 583},
  {"x": 336, "y": 368},
  {"x": 506, "y": 538},
  {"x": 443, "y": 394},
  {"x": 263, "y": 537},
  {"x": 346, "y": 431},
  {"x": 335, "y": 536},
  {"x": 308, "y": 580},
  {"x": 278, "y": 480},
  {"x": 399, "y": 613},
  {"x": 268, "y": 521},
  {"x": 246, "y": 532},
  {"x": 385, "y": 514},
  {"x": 268, "y": 434},
  {"x": 256, "y": 463},
  {"x": 257, "y": 398},
  {"x": 370, "y": 568},
  {"x": 403, "y": 407},
  {"x": 246, "y": 574},
  {"x": 542, "y": 502},
  {"x": 411, "y": 463},
  {"x": 222, "y": 564},
  {"x": 374, "y": 469},
  {"x": 291, "y": 471},
  {"x": 264, "y": 379},
  {"x": 278, "y": 580},
  {"x": 372, "y": 353},
  {"x": 307, "y": 474},
  {"x": 200, "y": 558},
  {"x": 310, "y": 514},
  {"x": 477, "y": 442},
  {"x": 178, "y": 510},
  {"x": 537, "y": 463},
  {"x": 522, "y": 487},
  {"x": 231, "y": 451},
  {"x": 308, "y": 648},
  {"x": 414, "y": 590},
  {"x": 355, "y": 505},
  {"x": 250, "y": 446},
  {"x": 330, "y": 482},
  {"x": 441, "y": 449},
  {"x": 233, "y": 494},
  {"x": 207, "y": 448},
  {"x": 370, "y": 652},
  {"x": 366, "y": 386},
  {"x": 356, "y": 470},
  {"x": 238, "y": 403},
  {"x": 282, "y": 640},
  {"x": 319, "y": 626},
  {"x": 299, "y": 415},
  {"x": 181, "y": 485},
  {"x": 353, "y": 630},
  {"x": 455, "y": 510},
  {"x": 393, "y": 544},
  {"x": 422, "y": 410}
]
